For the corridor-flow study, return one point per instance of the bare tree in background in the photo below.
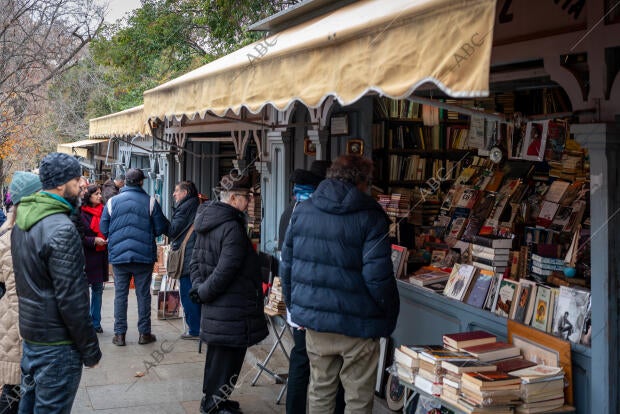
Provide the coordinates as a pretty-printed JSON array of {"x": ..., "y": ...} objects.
[{"x": 39, "y": 40}]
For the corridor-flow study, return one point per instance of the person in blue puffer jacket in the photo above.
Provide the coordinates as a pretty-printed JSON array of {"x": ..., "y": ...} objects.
[
  {"x": 338, "y": 283},
  {"x": 131, "y": 221}
]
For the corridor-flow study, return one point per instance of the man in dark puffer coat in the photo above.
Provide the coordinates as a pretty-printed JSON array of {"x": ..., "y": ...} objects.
[
  {"x": 131, "y": 221},
  {"x": 226, "y": 279},
  {"x": 338, "y": 283}
]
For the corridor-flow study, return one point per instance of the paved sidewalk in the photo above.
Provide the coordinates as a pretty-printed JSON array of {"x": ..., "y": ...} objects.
[{"x": 172, "y": 382}]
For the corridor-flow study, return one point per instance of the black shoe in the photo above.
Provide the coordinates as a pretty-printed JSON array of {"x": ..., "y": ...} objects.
[
  {"x": 119, "y": 340},
  {"x": 223, "y": 407},
  {"x": 146, "y": 339},
  {"x": 99, "y": 330}
]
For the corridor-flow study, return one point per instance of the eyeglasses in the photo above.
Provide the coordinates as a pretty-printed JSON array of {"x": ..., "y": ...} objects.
[{"x": 246, "y": 195}]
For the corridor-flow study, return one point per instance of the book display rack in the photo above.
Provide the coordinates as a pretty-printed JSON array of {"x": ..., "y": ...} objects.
[{"x": 511, "y": 230}]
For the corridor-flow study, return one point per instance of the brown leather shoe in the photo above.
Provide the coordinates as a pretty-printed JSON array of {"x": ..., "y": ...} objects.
[
  {"x": 146, "y": 339},
  {"x": 119, "y": 340}
]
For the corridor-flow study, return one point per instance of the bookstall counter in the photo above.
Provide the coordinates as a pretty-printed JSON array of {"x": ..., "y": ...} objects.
[{"x": 426, "y": 316}]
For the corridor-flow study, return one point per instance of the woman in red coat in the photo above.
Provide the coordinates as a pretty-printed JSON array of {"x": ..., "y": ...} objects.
[{"x": 95, "y": 251}]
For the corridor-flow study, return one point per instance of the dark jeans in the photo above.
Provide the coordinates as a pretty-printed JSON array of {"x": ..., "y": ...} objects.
[
  {"x": 299, "y": 378},
  {"x": 142, "y": 274},
  {"x": 191, "y": 309},
  {"x": 96, "y": 298},
  {"x": 222, "y": 367},
  {"x": 50, "y": 378},
  {"x": 9, "y": 400}
]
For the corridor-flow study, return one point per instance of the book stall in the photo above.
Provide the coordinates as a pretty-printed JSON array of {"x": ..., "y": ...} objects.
[
  {"x": 473, "y": 372},
  {"x": 490, "y": 211}
]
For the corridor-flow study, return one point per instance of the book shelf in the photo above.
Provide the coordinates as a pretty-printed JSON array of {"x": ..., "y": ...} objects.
[{"x": 406, "y": 152}]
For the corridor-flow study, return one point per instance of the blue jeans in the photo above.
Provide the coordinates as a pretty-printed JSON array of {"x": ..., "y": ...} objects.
[
  {"x": 50, "y": 378},
  {"x": 192, "y": 310},
  {"x": 96, "y": 298},
  {"x": 142, "y": 274}
]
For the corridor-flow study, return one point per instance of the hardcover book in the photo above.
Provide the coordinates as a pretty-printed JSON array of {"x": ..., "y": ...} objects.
[
  {"x": 570, "y": 313},
  {"x": 478, "y": 292},
  {"x": 399, "y": 257},
  {"x": 491, "y": 300},
  {"x": 467, "y": 366},
  {"x": 524, "y": 293},
  {"x": 493, "y": 351},
  {"x": 429, "y": 278},
  {"x": 505, "y": 297},
  {"x": 483, "y": 251},
  {"x": 462, "y": 339},
  {"x": 491, "y": 379},
  {"x": 459, "y": 281},
  {"x": 513, "y": 364},
  {"x": 445, "y": 355},
  {"x": 541, "y": 308},
  {"x": 494, "y": 242}
]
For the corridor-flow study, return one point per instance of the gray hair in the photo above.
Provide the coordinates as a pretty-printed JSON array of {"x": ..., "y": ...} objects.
[
  {"x": 225, "y": 196},
  {"x": 351, "y": 168}
]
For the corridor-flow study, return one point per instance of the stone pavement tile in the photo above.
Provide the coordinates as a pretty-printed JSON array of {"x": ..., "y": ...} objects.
[
  {"x": 189, "y": 370},
  {"x": 139, "y": 393},
  {"x": 118, "y": 369},
  {"x": 163, "y": 408}
]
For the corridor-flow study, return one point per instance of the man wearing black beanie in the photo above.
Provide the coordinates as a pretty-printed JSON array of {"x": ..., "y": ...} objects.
[{"x": 48, "y": 260}]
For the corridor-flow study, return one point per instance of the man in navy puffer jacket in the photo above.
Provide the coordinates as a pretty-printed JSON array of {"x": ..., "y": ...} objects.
[
  {"x": 131, "y": 221},
  {"x": 338, "y": 283}
]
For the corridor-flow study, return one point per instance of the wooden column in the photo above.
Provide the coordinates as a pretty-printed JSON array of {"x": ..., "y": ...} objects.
[{"x": 603, "y": 144}]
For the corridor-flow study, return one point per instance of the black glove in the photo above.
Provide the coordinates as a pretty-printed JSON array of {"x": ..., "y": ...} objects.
[{"x": 193, "y": 295}]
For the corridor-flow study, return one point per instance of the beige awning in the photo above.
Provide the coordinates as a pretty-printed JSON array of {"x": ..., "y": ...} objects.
[
  {"x": 389, "y": 47},
  {"x": 129, "y": 122},
  {"x": 78, "y": 147}
]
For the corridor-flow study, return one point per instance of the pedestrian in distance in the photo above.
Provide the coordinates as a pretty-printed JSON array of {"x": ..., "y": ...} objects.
[
  {"x": 338, "y": 283},
  {"x": 23, "y": 184},
  {"x": 131, "y": 221},
  {"x": 186, "y": 199},
  {"x": 95, "y": 251},
  {"x": 226, "y": 280},
  {"x": 48, "y": 260},
  {"x": 112, "y": 187}
]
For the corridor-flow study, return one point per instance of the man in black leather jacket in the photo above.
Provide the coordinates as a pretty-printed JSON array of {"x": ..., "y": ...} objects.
[{"x": 54, "y": 321}]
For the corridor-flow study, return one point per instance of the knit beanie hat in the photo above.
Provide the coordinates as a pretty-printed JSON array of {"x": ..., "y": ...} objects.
[
  {"x": 57, "y": 169},
  {"x": 23, "y": 184}
]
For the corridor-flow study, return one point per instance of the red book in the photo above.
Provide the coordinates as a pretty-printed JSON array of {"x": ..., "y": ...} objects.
[
  {"x": 465, "y": 339},
  {"x": 493, "y": 378},
  {"x": 493, "y": 351},
  {"x": 514, "y": 364}
]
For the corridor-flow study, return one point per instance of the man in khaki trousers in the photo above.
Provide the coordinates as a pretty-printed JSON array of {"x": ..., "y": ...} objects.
[{"x": 338, "y": 284}]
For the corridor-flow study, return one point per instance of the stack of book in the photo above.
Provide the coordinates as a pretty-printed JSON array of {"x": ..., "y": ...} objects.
[
  {"x": 541, "y": 267},
  {"x": 395, "y": 205},
  {"x": 430, "y": 372},
  {"x": 542, "y": 389},
  {"x": 493, "y": 255},
  {"x": 407, "y": 360},
  {"x": 453, "y": 371},
  {"x": 255, "y": 211},
  {"x": 276, "y": 300},
  {"x": 493, "y": 392},
  {"x": 425, "y": 208}
]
